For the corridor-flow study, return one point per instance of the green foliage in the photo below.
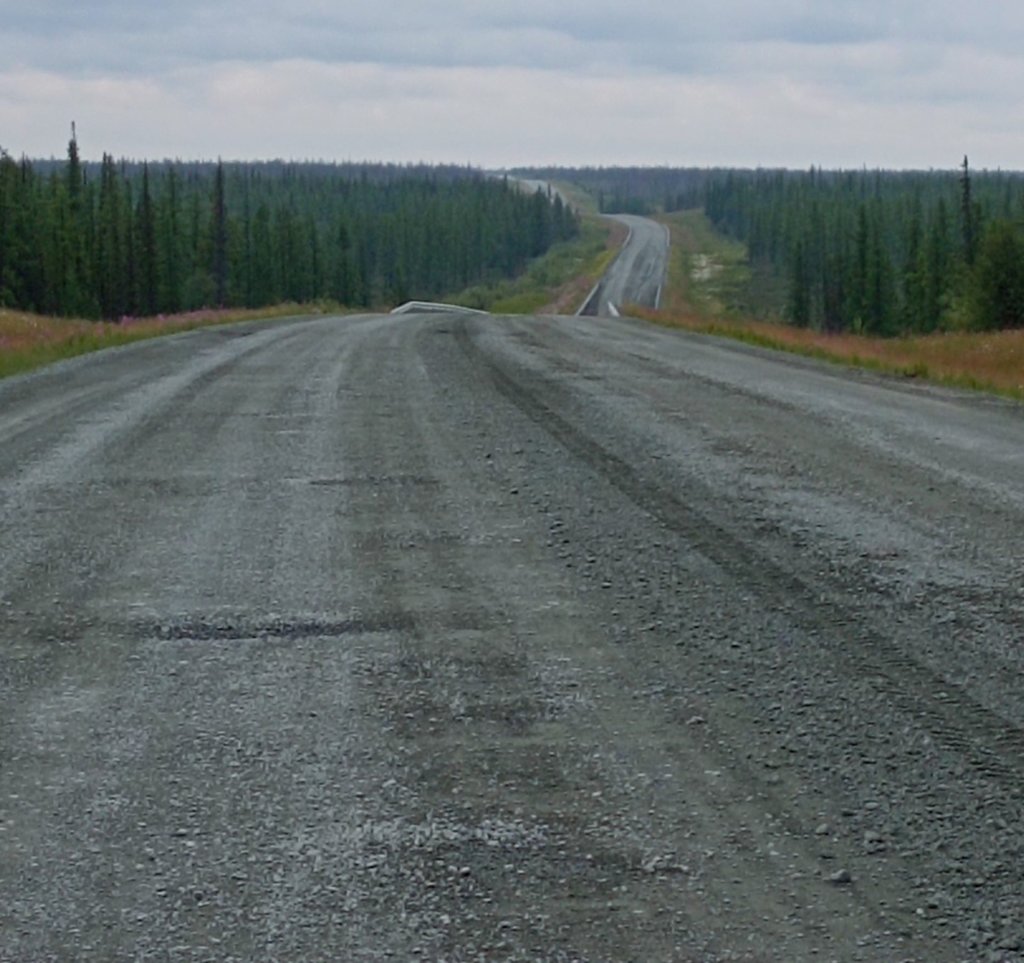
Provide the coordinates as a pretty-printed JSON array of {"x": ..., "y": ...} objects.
[
  {"x": 873, "y": 252},
  {"x": 538, "y": 284},
  {"x": 124, "y": 239},
  {"x": 997, "y": 282},
  {"x": 877, "y": 252}
]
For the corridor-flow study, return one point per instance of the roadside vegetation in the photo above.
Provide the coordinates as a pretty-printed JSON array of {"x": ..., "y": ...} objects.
[
  {"x": 558, "y": 281},
  {"x": 882, "y": 253},
  {"x": 986, "y": 361},
  {"x": 29, "y": 341},
  {"x": 919, "y": 274},
  {"x": 890, "y": 253},
  {"x": 707, "y": 273},
  {"x": 712, "y": 289},
  {"x": 122, "y": 239},
  {"x": 96, "y": 255}
]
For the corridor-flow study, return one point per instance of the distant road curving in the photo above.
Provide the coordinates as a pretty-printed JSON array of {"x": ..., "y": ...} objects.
[{"x": 637, "y": 274}]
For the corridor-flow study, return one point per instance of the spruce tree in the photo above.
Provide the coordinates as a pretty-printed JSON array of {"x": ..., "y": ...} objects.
[
  {"x": 968, "y": 219},
  {"x": 997, "y": 282},
  {"x": 146, "y": 249},
  {"x": 219, "y": 239}
]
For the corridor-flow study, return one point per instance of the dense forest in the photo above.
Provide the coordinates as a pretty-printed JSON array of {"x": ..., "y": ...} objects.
[
  {"x": 882, "y": 252},
  {"x": 119, "y": 238},
  {"x": 878, "y": 252}
]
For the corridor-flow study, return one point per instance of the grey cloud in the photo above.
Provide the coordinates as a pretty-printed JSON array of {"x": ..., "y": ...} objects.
[
  {"x": 121, "y": 36},
  {"x": 817, "y": 58}
]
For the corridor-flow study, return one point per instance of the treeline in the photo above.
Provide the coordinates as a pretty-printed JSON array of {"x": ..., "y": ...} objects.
[
  {"x": 633, "y": 190},
  {"x": 883, "y": 252},
  {"x": 122, "y": 238}
]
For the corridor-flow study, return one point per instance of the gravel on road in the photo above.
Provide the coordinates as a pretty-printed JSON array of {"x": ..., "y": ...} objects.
[{"x": 451, "y": 637}]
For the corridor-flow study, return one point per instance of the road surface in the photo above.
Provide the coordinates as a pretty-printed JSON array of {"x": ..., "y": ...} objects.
[
  {"x": 447, "y": 637},
  {"x": 637, "y": 274}
]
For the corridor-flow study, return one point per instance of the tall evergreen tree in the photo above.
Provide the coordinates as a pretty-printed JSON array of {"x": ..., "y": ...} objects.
[
  {"x": 800, "y": 287},
  {"x": 219, "y": 239},
  {"x": 968, "y": 218},
  {"x": 146, "y": 248},
  {"x": 75, "y": 226},
  {"x": 170, "y": 259},
  {"x": 997, "y": 284},
  {"x": 115, "y": 239}
]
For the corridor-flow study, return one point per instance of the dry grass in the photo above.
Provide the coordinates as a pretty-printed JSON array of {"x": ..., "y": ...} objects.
[
  {"x": 29, "y": 341},
  {"x": 992, "y": 361},
  {"x": 697, "y": 300}
]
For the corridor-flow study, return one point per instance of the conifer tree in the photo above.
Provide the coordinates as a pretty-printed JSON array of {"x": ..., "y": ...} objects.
[
  {"x": 219, "y": 239},
  {"x": 968, "y": 221},
  {"x": 74, "y": 226},
  {"x": 997, "y": 283},
  {"x": 146, "y": 248}
]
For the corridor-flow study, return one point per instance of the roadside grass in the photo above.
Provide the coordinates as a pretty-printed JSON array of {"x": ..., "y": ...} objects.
[
  {"x": 709, "y": 280},
  {"x": 706, "y": 270},
  {"x": 992, "y": 361},
  {"x": 557, "y": 281},
  {"x": 29, "y": 341}
]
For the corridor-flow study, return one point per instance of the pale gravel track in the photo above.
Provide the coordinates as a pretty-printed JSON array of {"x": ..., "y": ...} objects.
[{"x": 449, "y": 637}]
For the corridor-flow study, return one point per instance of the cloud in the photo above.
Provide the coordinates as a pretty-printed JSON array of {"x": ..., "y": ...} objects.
[
  {"x": 117, "y": 36},
  {"x": 698, "y": 81},
  {"x": 490, "y": 116},
  {"x": 114, "y": 35}
]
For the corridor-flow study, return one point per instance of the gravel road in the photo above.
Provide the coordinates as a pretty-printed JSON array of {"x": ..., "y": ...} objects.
[
  {"x": 637, "y": 273},
  {"x": 450, "y": 637}
]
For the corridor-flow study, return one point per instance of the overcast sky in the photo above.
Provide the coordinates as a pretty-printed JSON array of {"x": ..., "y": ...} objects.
[{"x": 837, "y": 83}]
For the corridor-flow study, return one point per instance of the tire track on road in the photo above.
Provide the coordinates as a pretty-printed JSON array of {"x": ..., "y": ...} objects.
[{"x": 990, "y": 744}]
